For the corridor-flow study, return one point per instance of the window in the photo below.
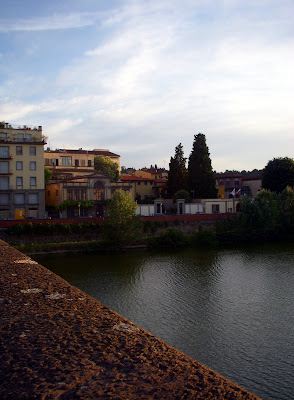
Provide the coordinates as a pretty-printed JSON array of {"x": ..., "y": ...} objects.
[
  {"x": 33, "y": 198},
  {"x": 20, "y": 137},
  {"x": 139, "y": 183},
  {"x": 215, "y": 208},
  {"x": 83, "y": 163},
  {"x": 77, "y": 194},
  {"x": 33, "y": 165},
  {"x": 33, "y": 181},
  {"x": 145, "y": 183},
  {"x": 19, "y": 182},
  {"x": 4, "y": 167},
  {"x": 4, "y": 198},
  {"x": 32, "y": 150},
  {"x": 4, "y": 152},
  {"x": 3, "y": 135},
  {"x": 69, "y": 195},
  {"x": 19, "y": 198},
  {"x": 54, "y": 161},
  {"x": 18, "y": 150},
  {"x": 4, "y": 183},
  {"x": 99, "y": 191},
  {"x": 28, "y": 137},
  {"x": 66, "y": 161},
  {"x": 19, "y": 165},
  {"x": 89, "y": 163},
  {"x": 76, "y": 163}
]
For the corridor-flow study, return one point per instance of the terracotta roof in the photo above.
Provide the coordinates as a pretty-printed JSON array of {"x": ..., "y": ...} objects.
[
  {"x": 160, "y": 180},
  {"x": 81, "y": 151},
  {"x": 124, "y": 177}
]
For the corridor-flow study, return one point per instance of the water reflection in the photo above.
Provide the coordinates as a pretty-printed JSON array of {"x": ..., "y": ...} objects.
[{"x": 230, "y": 309}]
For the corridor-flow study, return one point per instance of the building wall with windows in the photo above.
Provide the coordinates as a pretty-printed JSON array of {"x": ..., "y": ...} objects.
[
  {"x": 22, "y": 188},
  {"x": 75, "y": 162}
]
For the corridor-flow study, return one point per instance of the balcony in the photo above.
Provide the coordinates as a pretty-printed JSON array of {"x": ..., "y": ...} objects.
[
  {"x": 6, "y": 157},
  {"x": 9, "y": 172}
]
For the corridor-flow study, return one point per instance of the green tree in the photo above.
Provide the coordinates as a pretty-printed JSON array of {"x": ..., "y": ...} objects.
[
  {"x": 177, "y": 176},
  {"x": 278, "y": 174},
  {"x": 287, "y": 207},
  {"x": 201, "y": 181},
  {"x": 47, "y": 175},
  {"x": 122, "y": 226},
  {"x": 182, "y": 194},
  {"x": 107, "y": 167}
]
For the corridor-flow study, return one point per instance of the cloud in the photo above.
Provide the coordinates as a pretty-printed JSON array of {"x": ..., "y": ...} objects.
[
  {"x": 157, "y": 73},
  {"x": 54, "y": 22}
]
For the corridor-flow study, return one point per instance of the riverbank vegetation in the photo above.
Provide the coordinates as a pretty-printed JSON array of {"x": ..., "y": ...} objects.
[{"x": 269, "y": 216}]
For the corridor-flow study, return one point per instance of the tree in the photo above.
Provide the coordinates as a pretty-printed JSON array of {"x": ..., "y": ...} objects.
[
  {"x": 177, "y": 176},
  {"x": 122, "y": 226},
  {"x": 47, "y": 175},
  {"x": 278, "y": 174},
  {"x": 287, "y": 207},
  {"x": 182, "y": 194},
  {"x": 201, "y": 181},
  {"x": 107, "y": 167}
]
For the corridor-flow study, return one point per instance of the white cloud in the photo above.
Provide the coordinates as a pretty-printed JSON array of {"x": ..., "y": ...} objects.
[
  {"x": 54, "y": 22},
  {"x": 164, "y": 71}
]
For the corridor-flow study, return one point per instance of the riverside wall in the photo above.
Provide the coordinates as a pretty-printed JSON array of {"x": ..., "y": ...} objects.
[{"x": 59, "y": 343}]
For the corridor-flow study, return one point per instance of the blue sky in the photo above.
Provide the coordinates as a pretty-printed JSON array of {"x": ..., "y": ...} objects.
[{"x": 139, "y": 77}]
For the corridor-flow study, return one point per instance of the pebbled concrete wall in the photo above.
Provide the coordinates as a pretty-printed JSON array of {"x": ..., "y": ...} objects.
[{"x": 59, "y": 343}]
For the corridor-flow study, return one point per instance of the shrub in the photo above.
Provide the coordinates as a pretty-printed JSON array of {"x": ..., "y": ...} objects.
[
  {"x": 203, "y": 237},
  {"x": 170, "y": 238}
]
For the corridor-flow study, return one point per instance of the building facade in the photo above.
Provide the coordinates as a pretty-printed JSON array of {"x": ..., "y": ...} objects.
[
  {"x": 22, "y": 186},
  {"x": 74, "y": 178},
  {"x": 231, "y": 182}
]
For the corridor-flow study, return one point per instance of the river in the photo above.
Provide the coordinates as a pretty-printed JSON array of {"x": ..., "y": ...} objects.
[{"x": 231, "y": 309}]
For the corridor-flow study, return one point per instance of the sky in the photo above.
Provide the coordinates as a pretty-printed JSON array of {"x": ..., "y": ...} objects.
[{"x": 139, "y": 77}]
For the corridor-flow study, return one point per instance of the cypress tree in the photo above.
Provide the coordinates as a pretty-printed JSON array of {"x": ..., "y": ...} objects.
[
  {"x": 177, "y": 175},
  {"x": 201, "y": 181}
]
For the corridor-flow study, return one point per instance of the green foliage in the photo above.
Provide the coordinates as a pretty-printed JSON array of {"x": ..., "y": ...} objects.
[
  {"x": 147, "y": 200},
  {"x": 278, "y": 174},
  {"x": 203, "y": 237},
  {"x": 107, "y": 167},
  {"x": 258, "y": 219},
  {"x": 51, "y": 228},
  {"x": 66, "y": 204},
  {"x": 201, "y": 179},
  {"x": 47, "y": 175},
  {"x": 121, "y": 226},
  {"x": 182, "y": 194},
  {"x": 170, "y": 238},
  {"x": 287, "y": 207},
  {"x": 177, "y": 176}
]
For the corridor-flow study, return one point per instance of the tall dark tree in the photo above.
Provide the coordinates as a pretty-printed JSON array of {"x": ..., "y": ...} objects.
[
  {"x": 278, "y": 174},
  {"x": 201, "y": 181},
  {"x": 177, "y": 176}
]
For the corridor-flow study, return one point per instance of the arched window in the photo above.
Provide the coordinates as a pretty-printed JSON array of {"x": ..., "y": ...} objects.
[{"x": 98, "y": 191}]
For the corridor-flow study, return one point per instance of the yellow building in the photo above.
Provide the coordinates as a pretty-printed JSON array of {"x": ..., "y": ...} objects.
[
  {"x": 75, "y": 178},
  {"x": 22, "y": 185},
  {"x": 75, "y": 162}
]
